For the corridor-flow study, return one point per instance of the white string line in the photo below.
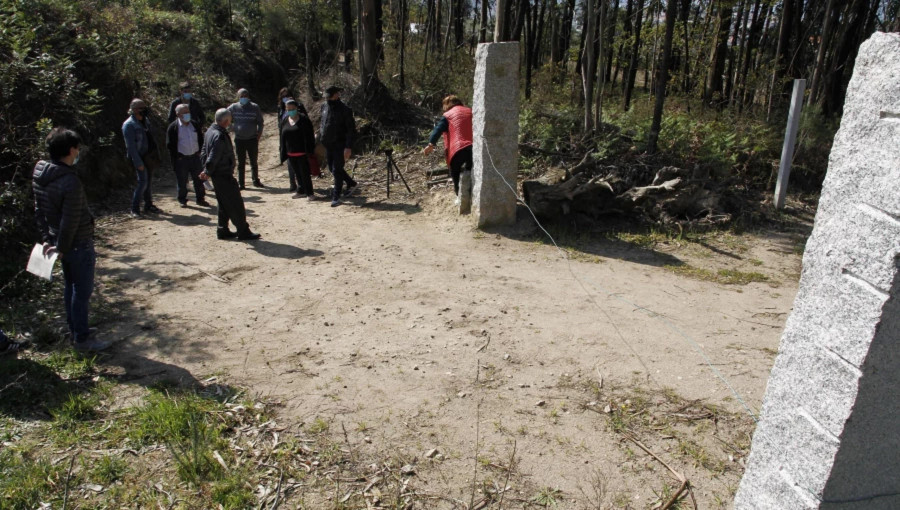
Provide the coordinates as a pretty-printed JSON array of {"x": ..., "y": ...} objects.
[{"x": 652, "y": 314}]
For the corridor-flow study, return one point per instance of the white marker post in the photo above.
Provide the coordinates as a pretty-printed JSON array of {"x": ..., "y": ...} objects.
[{"x": 790, "y": 139}]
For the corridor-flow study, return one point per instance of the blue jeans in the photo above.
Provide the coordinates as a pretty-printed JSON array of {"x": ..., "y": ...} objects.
[
  {"x": 142, "y": 190},
  {"x": 78, "y": 273}
]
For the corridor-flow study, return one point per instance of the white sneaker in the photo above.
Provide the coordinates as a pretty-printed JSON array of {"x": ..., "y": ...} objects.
[{"x": 456, "y": 202}]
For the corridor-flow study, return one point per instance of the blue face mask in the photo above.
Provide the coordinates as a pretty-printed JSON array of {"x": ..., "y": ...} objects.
[
  {"x": 187, "y": 96},
  {"x": 77, "y": 157},
  {"x": 244, "y": 101},
  {"x": 186, "y": 117},
  {"x": 293, "y": 113}
]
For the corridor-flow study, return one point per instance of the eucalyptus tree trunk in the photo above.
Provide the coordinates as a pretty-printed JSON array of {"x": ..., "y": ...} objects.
[{"x": 663, "y": 77}]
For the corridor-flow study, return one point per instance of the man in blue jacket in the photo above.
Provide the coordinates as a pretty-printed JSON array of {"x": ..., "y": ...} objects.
[
  {"x": 248, "y": 128},
  {"x": 67, "y": 227},
  {"x": 139, "y": 144}
]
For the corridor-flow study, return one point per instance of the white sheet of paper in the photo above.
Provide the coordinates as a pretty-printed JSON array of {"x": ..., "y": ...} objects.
[{"x": 40, "y": 265}]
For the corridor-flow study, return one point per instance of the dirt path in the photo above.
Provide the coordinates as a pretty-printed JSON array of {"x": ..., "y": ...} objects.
[{"x": 403, "y": 324}]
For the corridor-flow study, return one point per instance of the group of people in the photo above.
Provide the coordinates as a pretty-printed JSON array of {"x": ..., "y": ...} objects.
[{"x": 66, "y": 223}]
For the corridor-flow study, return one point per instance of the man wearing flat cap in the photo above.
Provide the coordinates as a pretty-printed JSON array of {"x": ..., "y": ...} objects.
[
  {"x": 248, "y": 128},
  {"x": 336, "y": 131}
]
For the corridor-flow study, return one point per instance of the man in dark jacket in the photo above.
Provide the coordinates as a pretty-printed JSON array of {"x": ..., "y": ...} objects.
[
  {"x": 187, "y": 97},
  {"x": 336, "y": 131},
  {"x": 217, "y": 160},
  {"x": 67, "y": 228},
  {"x": 184, "y": 139}
]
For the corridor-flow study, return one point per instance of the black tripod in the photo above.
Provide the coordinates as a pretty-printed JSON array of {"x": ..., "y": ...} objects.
[{"x": 391, "y": 166}]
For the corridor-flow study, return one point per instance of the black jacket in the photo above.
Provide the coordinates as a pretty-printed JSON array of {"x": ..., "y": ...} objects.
[
  {"x": 337, "y": 126},
  {"x": 193, "y": 104},
  {"x": 60, "y": 206},
  {"x": 172, "y": 139},
  {"x": 297, "y": 138},
  {"x": 217, "y": 154}
]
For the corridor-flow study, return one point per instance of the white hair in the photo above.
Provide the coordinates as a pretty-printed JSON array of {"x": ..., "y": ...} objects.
[
  {"x": 222, "y": 114},
  {"x": 182, "y": 108}
]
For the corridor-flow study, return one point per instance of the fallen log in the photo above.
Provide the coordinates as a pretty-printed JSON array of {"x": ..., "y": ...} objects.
[{"x": 664, "y": 195}]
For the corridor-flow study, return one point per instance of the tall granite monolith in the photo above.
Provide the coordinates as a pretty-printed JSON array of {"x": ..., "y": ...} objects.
[
  {"x": 829, "y": 433},
  {"x": 495, "y": 127}
]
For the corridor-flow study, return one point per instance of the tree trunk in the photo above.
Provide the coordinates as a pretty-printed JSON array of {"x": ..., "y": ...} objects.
[
  {"x": 539, "y": 42},
  {"x": 610, "y": 34},
  {"x": 627, "y": 26},
  {"x": 521, "y": 9},
  {"x": 404, "y": 26},
  {"x": 588, "y": 64},
  {"x": 459, "y": 28},
  {"x": 686, "y": 79},
  {"x": 369, "y": 50},
  {"x": 784, "y": 37},
  {"x": 824, "y": 41},
  {"x": 484, "y": 18},
  {"x": 530, "y": 30},
  {"x": 598, "y": 67},
  {"x": 750, "y": 95},
  {"x": 501, "y": 30},
  {"x": 438, "y": 22},
  {"x": 347, "y": 33},
  {"x": 635, "y": 49},
  {"x": 737, "y": 50},
  {"x": 663, "y": 77},
  {"x": 717, "y": 60},
  {"x": 379, "y": 30}
]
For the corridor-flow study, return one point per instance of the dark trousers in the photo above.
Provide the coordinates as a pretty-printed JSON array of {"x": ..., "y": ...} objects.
[
  {"x": 231, "y": 205},
  {"x": 143, "y": 188},
  {"x": 78, "y": 275},
  {"x": 298, "y": 169},
  {"x": 245, "y": 148},
  {"x": 461, "y": 162},
  {"x": 335, "y": 156},
  {"x": 188, "y": 166}
]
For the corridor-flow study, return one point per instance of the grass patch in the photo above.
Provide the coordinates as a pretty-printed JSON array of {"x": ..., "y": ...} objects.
[
  {"x": 108, "y": 469},
  {"x": 25, "y": 482},
  {"x": 77, "y": 409},
  {"x": 169, "y": 418},
  {"x": 723, "y": 276}
]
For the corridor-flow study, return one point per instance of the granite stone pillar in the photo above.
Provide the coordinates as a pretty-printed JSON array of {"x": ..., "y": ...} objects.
[
  {"x": 829, "y": 433},
  {"x": 495, "y": 123}
]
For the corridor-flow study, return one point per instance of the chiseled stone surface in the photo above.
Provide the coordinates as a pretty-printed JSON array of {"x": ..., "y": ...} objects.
[
  {"x": 495, "y": 123},
  {"x": 829, "y": 433}
]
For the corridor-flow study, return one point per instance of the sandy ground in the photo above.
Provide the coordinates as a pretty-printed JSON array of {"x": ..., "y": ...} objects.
[{"x": 403, "y": 323}]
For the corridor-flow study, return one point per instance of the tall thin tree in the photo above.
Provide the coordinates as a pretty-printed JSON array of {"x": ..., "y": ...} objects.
[
  {"x": 663, "y": 77},
  {"x": 635, "y": 55}
]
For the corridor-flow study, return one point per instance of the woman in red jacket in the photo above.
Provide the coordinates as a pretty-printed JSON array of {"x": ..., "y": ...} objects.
[{"x": 456, "y": 126}]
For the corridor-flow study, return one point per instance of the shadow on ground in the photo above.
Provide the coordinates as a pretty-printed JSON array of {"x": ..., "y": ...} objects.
[
  {"x": 282, "y": 251},
  {"x": 584, "y": 242},
  {"x": 384, "y": 206}
]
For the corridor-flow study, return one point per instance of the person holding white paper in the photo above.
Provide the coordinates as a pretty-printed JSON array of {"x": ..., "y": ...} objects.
[{"x": 67, "y": 228}]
